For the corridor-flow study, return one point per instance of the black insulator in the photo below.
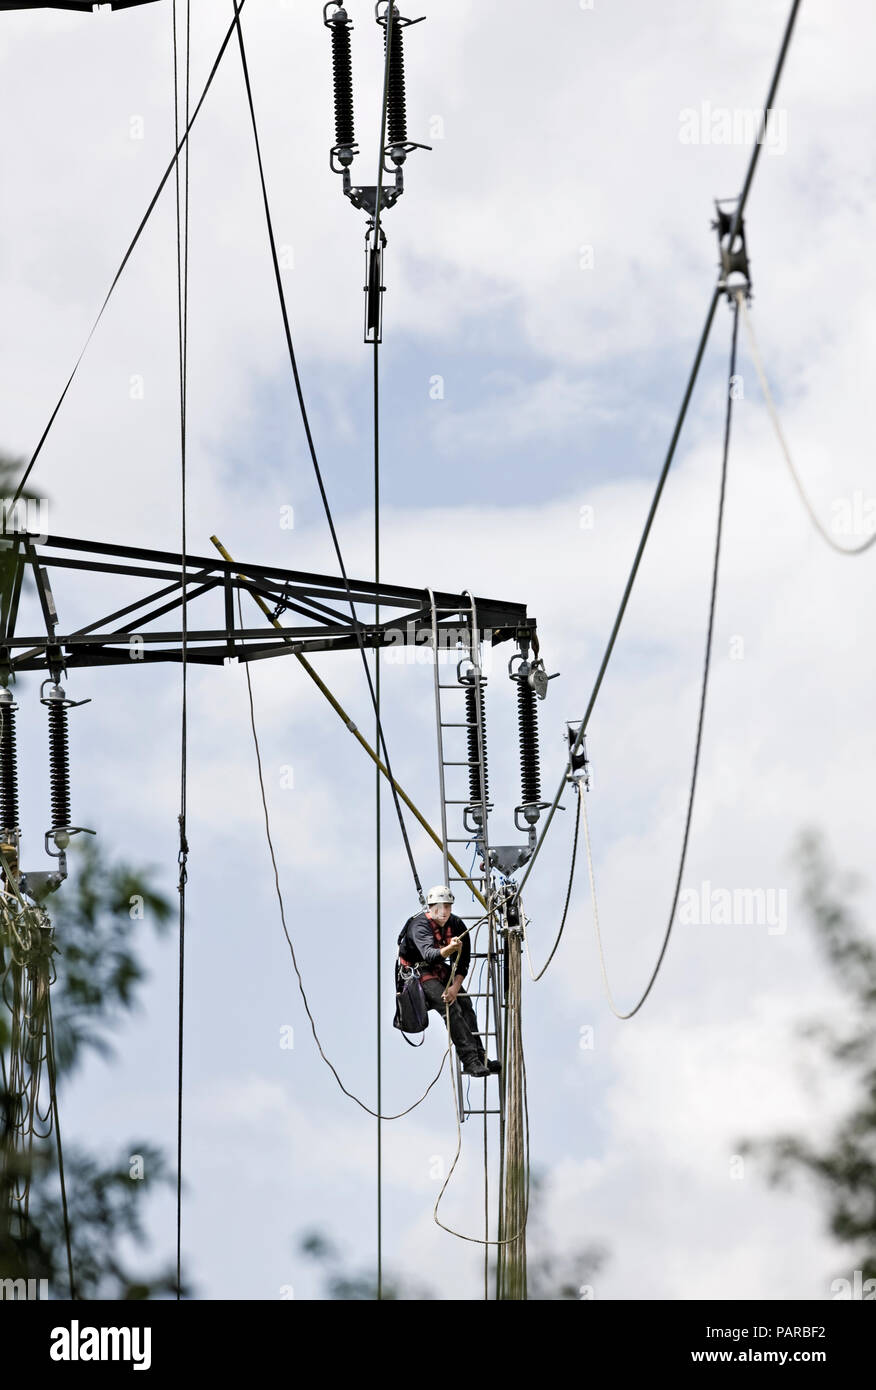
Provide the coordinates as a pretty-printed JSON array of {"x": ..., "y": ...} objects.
[
  {"x": 473, "y": 698},
  {"x": 527, "y": 720},
  {"x": 59, "y": 765},
  {"x": 396, "y": 115},
  {"x": 8, "y": 770},
  {"x": 342, "y": 67}
]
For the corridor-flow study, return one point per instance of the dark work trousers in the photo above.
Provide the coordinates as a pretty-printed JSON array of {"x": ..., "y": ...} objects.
[{"x": 463, "y": 1023}]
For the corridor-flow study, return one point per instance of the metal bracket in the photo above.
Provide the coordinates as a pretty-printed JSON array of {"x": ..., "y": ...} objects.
[
  {"x": 365, "y": 197},
  {"x": 509, "y": 858},
  {"x": 40, "y": 883}
]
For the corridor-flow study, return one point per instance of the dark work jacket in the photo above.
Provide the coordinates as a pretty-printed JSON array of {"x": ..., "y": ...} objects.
[{"x": 422, "y": 933}]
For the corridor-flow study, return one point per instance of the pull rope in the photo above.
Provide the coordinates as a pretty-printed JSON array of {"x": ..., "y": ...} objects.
[
  {"x": 293, "y": 362},
  {"x": 536, "y": 978},
  {"x": 374, "y": 1113},
  {"x": 521, "y": 1144},
  {"x": 713, "y": 304},
  {"x": 783, "y": 444},
  {"x": 53, "y": 1088},
  {"x": 127, "y": 256},
  {"x": 702, "y": 711}
]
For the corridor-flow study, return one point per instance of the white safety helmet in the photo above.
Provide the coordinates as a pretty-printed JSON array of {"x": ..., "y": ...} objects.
[{"x": 440, "y": 894}]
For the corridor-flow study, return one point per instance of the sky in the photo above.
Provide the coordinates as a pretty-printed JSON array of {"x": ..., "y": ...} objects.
[{"x": 547, "y": 274}]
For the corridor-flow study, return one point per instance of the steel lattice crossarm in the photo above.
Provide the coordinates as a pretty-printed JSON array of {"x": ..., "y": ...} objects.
[
  {"x": 318, "y": 604},
  {"x": 85, "y": 6}
]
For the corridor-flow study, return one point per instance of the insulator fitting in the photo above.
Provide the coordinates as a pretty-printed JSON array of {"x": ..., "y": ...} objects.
[
  {"x": 9, "y": 828},
  {"x": 59, "y": 758},
  {"x": 342, "y": 73}
]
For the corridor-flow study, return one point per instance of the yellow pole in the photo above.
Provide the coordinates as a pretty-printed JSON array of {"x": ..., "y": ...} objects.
[{"x": 338, "y": 708}]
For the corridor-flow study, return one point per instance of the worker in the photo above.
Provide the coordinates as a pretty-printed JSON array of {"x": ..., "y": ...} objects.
[{"x": 439, "y": 937}]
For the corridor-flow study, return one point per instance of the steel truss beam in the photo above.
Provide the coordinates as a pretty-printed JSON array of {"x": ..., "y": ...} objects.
[{"x": 124, "y": 636}]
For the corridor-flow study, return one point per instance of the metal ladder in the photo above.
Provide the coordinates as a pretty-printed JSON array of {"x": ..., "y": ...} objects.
[{"x": 488, "y": 1002}]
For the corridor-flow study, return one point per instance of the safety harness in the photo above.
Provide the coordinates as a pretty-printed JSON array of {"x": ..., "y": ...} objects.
[
  {"x": 411, "y": 1013},
  {"x": 442, "y": 937}
]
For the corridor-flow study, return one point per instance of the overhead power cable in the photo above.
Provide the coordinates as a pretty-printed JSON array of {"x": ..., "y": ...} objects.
[
  {"x": 700, "y": 719},
  {"x": 127, "y": 256},
  {"x": 39, "y": 1027},
  {"x": 535, "y": 978},
  {"x": 664, "y": 472},
  {"x": 349, "y": 724},
  {"x": 822, "y": 530},
  {"x": 519, "y": 1182},
  {"x": 182, "y": 271},
  {"x": 378, "y": 906},
  {"x": 53, "y": 1088},
  {"x": 301, "y": 990},
  {"x": 309, "y": 436}
]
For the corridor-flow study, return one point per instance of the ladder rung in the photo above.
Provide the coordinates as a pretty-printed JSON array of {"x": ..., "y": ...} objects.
[
  {"x": 461, "y": 762},
  {"x": 459, "y": 723},
  {"x": 449, "y": 801},
  {"x": 450, "y": 685},
  {"x": 483, "y": 1112}
]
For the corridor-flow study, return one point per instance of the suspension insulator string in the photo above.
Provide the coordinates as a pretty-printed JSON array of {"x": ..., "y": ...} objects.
[
  {"x": 59, "y": 760},
  {"x": 527, "y": 721},
  {"x": 342, "y": 67},
  {"x": 8, "y": 768},
  {"x": 396, "y": 107},
  {"x": 61, "y": 828},
  {"x": 474, "y": 697},
  {"x": 340, "y": 29}
]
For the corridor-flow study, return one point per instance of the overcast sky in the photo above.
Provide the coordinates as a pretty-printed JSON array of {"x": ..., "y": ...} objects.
[{"x": 551, "y": 262}]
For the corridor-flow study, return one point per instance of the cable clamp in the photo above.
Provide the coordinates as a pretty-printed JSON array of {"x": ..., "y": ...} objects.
[{"x": 182, "y": 857}]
